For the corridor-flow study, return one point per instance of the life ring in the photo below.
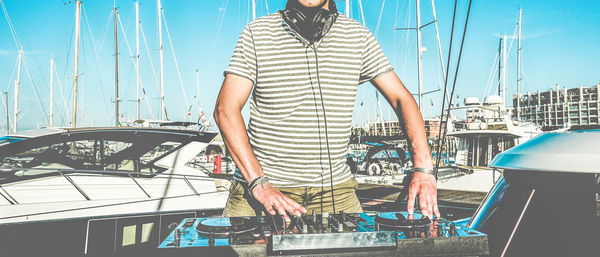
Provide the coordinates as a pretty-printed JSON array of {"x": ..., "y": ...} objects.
[{"x": 374, "y": 168}]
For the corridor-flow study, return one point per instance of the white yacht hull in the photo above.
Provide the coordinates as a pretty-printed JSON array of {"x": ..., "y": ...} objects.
[{"x": 58, "y": 198}]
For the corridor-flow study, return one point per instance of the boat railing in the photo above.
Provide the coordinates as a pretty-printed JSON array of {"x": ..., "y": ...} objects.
[{"x": 68, "y": 174}]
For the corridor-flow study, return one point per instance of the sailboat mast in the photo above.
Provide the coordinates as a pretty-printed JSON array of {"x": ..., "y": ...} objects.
[
  {"x": 162, "y": 75},
  {"x": 504, "y": 70},
  {"x": 76, "y": 71},
  {"x": 519, "y": 70},
  {"x": 253, "y": 9},
  {"x": 51, "y": 92},
  {"x": 137, "y": 56},
  {"x": 7, "y": 115},
  {"x": 116, "y": 70},
  {"x": 499, "y": 90},
  {"x": 17, "y": 86},
  {"x": 439, "y": 45},
  {"x": 198, "y": 86},
  {"x": 347, "y": 8},
  {"x": 419, "y": 57},
  {"x": 200, "y": 112}
]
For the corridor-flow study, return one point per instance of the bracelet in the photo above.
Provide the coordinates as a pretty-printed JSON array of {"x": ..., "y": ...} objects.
[
  {"x": 257, "y": 181},
  {"x": 423, "y": 170}
]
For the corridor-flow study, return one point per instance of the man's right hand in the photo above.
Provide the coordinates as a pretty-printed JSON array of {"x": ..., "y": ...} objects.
[{"x": 276, "y": 202}]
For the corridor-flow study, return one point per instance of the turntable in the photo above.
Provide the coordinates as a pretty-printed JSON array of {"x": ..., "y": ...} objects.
[
  {"x": 389, "y": 233},
  {"x": 224, "y": 227}
]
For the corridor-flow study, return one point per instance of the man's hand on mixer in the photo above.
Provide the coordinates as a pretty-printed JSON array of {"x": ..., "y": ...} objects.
[
  {"x": 425, "y": 186},
  {"x": 276, "y": 202}
]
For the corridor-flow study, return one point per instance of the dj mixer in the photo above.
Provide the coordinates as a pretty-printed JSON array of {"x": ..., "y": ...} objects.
[{"x": 388, "y": 233}]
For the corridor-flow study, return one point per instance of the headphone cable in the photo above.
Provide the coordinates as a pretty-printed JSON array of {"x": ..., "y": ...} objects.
[{"x": 326, "y": 132}]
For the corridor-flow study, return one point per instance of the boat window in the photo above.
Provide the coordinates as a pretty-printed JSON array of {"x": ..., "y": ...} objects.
[
  {"x": 154, "y": 154},
  {"x": 81, "y": 154},
  {"x": 43, "y": 160},
  {"x": 91, "y": 152}
]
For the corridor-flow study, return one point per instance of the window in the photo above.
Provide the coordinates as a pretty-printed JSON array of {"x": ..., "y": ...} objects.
[
  {"x": 154, "y": 154},
  {"x": 81, "y": 154}
]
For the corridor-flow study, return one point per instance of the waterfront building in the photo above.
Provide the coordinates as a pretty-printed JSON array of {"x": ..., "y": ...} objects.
[
  {"x": 575, "y": 108},
  {"x": 432, "y": 128}
]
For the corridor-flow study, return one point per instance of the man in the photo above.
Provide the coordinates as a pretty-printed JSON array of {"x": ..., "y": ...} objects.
[{"x": 302, "y": 73}]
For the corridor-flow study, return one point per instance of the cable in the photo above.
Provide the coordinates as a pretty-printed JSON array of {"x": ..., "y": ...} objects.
[
  {"x": 439, "y": 149},
  {"x": 453, "y": 86},
  {"x": 326, "y": 132}
]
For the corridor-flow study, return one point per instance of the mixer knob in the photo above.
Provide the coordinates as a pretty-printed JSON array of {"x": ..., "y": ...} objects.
[
  {"x": 452, "y": 229},
  {"x": 340, "y": 227},
  {"x": 304, "y": 228},
  {"x": 325, "y": 220},
  {"x": 211, "y": 241},
  {"x": 177, "y": 236}
]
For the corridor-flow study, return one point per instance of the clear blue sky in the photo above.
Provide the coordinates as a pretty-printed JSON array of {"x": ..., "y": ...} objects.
[{"x": 560, "y": 45}]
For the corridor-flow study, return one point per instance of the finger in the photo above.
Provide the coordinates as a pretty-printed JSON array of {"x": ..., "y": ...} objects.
[
  {"x": 410, "y": 205},
  {"x": 269, "y": 208},
  {"x": 430, "y": 206},
  {"x": 280, "y": 205},
  {"x": 423, "y": 205},
  {"x": 433, "y": 229},
  {"x": 296, "y": 208},
  {"x": 436, "y": 210}
]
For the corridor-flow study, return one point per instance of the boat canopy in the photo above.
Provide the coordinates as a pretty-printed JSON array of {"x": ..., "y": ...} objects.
[
  {"x": 574, "y": 152},
  {"x": 137, "y": 150}
]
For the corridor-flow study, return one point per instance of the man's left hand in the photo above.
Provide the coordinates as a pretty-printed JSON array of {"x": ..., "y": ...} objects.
[{"x": 425, "y": 186}]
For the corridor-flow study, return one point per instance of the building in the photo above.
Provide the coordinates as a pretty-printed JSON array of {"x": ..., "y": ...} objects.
[
  {"x": 577, "y": 108},
  {"x": 384, "y": 128},
  {"x": 432, "y": 128}
]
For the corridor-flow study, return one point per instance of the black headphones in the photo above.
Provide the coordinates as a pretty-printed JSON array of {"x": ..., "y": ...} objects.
[{"x": 311, "y": 30}]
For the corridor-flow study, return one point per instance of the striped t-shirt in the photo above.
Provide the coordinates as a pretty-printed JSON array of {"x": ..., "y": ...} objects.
[{"x": 287, "y": 126}]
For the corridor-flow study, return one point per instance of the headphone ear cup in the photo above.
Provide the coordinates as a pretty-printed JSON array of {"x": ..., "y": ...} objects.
[
  {"x": 296, "y": 20},
  {"x": 322, "y": 22}
]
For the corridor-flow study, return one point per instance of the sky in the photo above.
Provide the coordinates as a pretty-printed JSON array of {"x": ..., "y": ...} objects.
[{"x": 559, "y": 46}]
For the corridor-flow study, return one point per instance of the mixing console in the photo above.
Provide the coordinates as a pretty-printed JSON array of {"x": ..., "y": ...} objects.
[{"x": 316, "y": 233}]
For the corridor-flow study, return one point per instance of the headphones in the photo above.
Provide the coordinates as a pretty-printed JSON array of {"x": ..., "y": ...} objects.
[{"x": 311, "y": 30}]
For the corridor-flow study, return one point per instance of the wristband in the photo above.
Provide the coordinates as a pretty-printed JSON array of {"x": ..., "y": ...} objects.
[
  {"x": 423, "y": 170},
  {"x": 257, "y": 181}
]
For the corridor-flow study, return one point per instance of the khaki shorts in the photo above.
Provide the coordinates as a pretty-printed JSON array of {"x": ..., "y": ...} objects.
[{"x": 312, "y": 198}]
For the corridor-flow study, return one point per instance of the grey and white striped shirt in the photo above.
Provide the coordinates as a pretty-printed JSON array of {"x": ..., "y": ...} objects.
[{"x": 287, "y": 125}]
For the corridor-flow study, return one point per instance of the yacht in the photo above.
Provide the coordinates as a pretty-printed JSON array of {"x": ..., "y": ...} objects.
[
  {"x": 487, "y": 131},
  {"x": 546, "y": 201},
  {"x": 59, "y": 173}
]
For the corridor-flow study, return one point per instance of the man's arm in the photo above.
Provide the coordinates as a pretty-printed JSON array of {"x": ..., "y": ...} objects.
[
  {"x": 411, "y": 120},
  {"x": 228, "y": 116}
]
